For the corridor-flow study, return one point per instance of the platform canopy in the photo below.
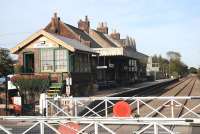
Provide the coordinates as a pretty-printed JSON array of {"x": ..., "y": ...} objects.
[{"x": 120, "y": 51}]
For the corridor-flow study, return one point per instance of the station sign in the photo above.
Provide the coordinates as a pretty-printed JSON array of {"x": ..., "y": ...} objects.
[
  {"x": 102, "y": 67},
  {"x": 43, "y": 44}
]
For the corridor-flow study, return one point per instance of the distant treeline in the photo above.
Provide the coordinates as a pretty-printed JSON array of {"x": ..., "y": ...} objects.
[{"x": 173, "y": 65}]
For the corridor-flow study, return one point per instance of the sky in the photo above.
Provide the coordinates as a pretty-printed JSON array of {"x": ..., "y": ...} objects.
[{"x": 158, "y": 26}]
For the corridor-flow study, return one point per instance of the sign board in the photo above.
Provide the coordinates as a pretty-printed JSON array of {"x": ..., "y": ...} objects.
[
  {"x": 69, "y": 81},
  {"x": 42, "y": 44},
  {"x": 10, "y": 84},
  {"x": 102, "y": 67},
  {"x": 17, "y": 100},
  {"x": 17, "y": 104}
]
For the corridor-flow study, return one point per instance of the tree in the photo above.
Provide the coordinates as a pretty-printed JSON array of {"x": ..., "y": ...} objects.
[
  {"x": 177, "y": 67},
  {"x": 193, "y": 70},
  {"x": 174, "y": 55},
  {"x": 6, "y": 63}
]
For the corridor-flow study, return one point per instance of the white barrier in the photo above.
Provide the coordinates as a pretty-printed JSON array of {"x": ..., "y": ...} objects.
[{"x": 101, "y": 107}]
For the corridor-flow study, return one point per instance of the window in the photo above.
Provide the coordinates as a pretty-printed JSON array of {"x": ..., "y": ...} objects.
[
  {"x": 61, "y": 60},
  {"x": 54, "y": 60},
  {"x": 47, "y": 60},
  {"x": 132, "y": 65},
  {"x": 77, "y": 63},
  {"x": 82, "y": 63}
]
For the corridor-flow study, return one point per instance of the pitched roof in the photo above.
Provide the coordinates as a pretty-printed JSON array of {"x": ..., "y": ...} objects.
[
  {"x": 101, "y": 39},
  {"x": 70, "y": 44},
  {"x": 116, "y": 42},
  {"x": 83, "y": 35},
  {"x": 74, "y": 43}
]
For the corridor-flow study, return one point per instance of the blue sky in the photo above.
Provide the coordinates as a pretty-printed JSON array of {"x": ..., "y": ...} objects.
[{"x": 157, "y": 25}]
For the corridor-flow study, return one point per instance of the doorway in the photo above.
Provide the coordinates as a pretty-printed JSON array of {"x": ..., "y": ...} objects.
[{"x": 28, "y": 63}]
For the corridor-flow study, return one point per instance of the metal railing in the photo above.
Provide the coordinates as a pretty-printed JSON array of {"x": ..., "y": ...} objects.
[
  {"x": 93, "y": 115},
  {"x": 44, "y": 125},
  {"x": 102, "y": 107}
]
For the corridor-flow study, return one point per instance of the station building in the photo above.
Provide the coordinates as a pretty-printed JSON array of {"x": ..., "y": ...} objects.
[
  {"x": 88, "y": 56},
  {"x": 119, "y": 61}
]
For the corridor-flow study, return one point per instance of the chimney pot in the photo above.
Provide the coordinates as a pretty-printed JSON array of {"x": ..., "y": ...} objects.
[
  {"x": 115, "y": 35},
  {"x": 84, "y": 25},
  {"x": 102, "y": 28},
  {"x": 86, "y": 18},
  {"x": 55, "y": 15}
]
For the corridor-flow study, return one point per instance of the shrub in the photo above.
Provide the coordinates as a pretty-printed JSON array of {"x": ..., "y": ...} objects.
[{"x": 30, "y": 85}]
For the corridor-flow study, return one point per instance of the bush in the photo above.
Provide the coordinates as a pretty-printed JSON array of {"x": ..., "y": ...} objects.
[
  {"x": 30, "y": 85},
  {"x": 32, "y": 82}
]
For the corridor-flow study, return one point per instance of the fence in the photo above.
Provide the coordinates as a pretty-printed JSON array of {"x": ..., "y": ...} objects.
[
  {"x": 144, "y": 107},
  {"x": 53, "y": 125},
  {"x": 94, "y": 115}
]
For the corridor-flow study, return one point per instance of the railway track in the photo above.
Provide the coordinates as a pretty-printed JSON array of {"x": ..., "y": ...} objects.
[
  {"x": 152, "y": 91},
  {"x": 186, "y": 90},
  {"x": 174, "y": 90}
]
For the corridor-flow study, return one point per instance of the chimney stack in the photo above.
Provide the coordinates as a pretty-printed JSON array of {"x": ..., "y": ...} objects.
[
  {"x": 115, "y": 35},
  {"x": 102, "y": 27},
  {"x": 55, "y": 28},
  {"x": 84, "y": 25}
]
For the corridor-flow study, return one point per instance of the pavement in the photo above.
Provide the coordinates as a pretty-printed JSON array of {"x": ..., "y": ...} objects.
[{"x": 109, "y": 92}]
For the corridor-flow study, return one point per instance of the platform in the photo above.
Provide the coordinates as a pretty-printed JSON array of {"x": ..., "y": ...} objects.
[{"x": 110, "y": 92}]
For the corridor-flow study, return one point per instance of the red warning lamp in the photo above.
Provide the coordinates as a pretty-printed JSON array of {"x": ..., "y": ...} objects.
[{"x": 122, "y": 109}]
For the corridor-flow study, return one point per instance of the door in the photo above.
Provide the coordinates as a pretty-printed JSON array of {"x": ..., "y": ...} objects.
[{"x": 28, "y": 63}]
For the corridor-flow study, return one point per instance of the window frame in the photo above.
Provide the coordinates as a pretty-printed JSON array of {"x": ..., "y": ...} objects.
[
  {"x": 67, "y": 61},
  {"x": 41, "y": 60},
  {"x": 54, "y": 60}
]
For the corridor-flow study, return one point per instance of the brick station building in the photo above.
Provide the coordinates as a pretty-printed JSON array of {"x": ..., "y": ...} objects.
[
  {"x": 118, "y": 59},
  {"x": 88, "y": 56}
]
